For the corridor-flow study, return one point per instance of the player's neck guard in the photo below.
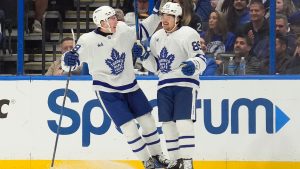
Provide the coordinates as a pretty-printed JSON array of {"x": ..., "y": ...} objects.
[{"x": 98, "y": 31}]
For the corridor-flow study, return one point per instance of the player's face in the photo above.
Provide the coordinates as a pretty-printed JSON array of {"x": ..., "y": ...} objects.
[
  {"x": 111, "y": 24},
  {"x": 168, "y": 21},
  {"x": 112, "y": 21},
  {"x": 66, "y": 46}
]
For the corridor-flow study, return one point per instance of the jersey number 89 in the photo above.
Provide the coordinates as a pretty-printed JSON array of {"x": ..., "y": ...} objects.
[{"x": 196, "y": 45}]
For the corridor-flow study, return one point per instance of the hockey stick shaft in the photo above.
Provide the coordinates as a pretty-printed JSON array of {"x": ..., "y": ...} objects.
[
  {"x": 137, "y": 25},
  {"x": 62, "y": 109},
  {"x": 60, "y": 118},
  {"x": 137, "y": 22}
]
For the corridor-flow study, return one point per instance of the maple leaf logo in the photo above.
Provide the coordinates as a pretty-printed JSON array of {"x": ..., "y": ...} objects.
[
  {"x": 116, "y": 63},
  {"x": 165, "y": 60}
]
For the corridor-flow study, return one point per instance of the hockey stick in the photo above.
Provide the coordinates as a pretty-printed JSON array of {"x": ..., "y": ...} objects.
[
  {"x": 137, "y": 26},
  {"x": 62, "y": 109}
]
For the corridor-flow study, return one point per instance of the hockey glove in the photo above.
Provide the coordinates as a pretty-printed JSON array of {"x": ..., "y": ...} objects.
[
  {"x": 71, "y": 58},
  {"x": 139, "y": 51},
  {"x": 188, "y": 68},
  {"x": 156, "y": 7}
]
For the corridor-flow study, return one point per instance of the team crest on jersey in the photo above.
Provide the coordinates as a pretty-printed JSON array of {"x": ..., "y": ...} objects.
[
  {"x": 165, "y": 60},
  {"x": 116, "y": 63}
]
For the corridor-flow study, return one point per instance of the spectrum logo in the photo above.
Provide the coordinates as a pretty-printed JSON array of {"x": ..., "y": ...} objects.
[{"x": 275, "y": 118}]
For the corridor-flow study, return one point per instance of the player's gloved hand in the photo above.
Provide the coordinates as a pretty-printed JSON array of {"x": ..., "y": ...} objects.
[
  {"x": 139, "y": 51},
  {"x": 156, "y": 7},
  {"x": 188, "y": 68},
  {"x": 71, "y": 58}
]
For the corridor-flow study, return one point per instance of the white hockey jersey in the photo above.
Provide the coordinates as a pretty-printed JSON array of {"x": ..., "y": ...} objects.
[
  {"x": 169, "y": 50},
  {"x": 110, "y": 57}
]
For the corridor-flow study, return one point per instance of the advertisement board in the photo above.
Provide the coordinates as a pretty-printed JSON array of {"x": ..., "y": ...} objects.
[{"x": 240, "y": 121}]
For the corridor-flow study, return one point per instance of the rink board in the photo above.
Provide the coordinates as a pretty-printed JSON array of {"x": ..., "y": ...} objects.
[
  {"x": 133, "y": 164},
  {"x": 241, "y": 123}
]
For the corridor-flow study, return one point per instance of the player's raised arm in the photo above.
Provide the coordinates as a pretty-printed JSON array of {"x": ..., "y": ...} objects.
[{"x": 150, "y": 24}]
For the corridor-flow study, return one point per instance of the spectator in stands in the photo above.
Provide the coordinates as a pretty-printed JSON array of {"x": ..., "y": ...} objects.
[
  {"x": 40, "y": 8},
  {"x": 242, "y": 47},
  {"x": 218, "y": 39},
  {"x": 296, "y": 3},
  {"x": 2, "y": 20},
  {"x": 143, "y": 6},
  {"x": 297, "y": 51},
  {"x": 282, "y": 58},
  {"x": 211, "y": 65},
  {"x": 285, "y": 7},
  {"x": 203, "y": 9},
  {"x": 213, "y": 4},
  {"x": 224, "y": 6},
  {"x": 294, "y": 64},
  {"x": 55, "y": 68},
  {"x": 189, "y": 17},
  {"x": 128, "y": 6},
  {"x": 282, "y": 28},
  {"x": 120, "y": 15},
  {"x": 239, "y": 15},
  {"x": 257, "y": 29}
]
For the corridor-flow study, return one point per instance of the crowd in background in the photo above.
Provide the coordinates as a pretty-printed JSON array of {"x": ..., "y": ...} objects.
[{"x": 240, "y": 29}]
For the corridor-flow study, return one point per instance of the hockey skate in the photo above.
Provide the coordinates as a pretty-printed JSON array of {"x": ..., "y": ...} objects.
[
  {"x": 149, "y": 164},
  {"x": 160, "y": 162},
  {"x": 176, "y": 164},
  {"x": 187, "y": 163}
]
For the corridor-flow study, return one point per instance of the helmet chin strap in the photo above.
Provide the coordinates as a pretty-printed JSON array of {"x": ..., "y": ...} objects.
[{"x": 109, "y": 28}]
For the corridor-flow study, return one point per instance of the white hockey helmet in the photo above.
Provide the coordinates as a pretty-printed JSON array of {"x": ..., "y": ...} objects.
[
  {"x": 102, "y": 13},
  {"x": 172, "y": 9}
]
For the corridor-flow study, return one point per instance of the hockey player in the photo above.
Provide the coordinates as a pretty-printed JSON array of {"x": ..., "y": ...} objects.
[
  {"x": 177, "y": 58},
  {"x": 108, "y": 53}
]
